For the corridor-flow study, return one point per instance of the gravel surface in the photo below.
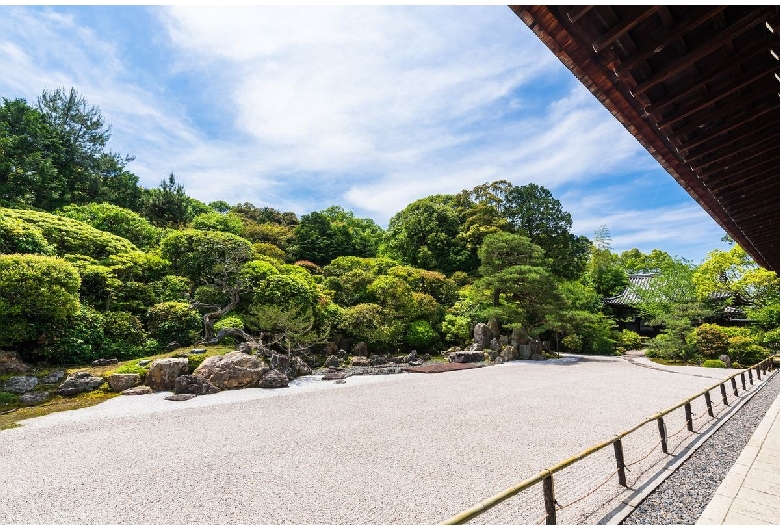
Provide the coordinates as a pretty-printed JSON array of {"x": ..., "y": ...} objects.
[
  {"x": 682, "y": 497},
  {"x": 392, "y": 449}
]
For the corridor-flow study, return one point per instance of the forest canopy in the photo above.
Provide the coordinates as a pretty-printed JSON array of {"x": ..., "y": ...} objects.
[{"x": 92, "y": 264}]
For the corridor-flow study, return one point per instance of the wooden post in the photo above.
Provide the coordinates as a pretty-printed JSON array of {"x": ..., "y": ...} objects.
[
  {"x": 662, "y": 432},
  {"x": 758, "y": 372},
  {"x": 549, "y": 498},
  {"x": 708, "y": 399},
  {"x": 734, "y": 387},
  {"x": 742, "y": 377},
  {"x": 621, "y": 464},
  {"x": 750, "y": 376},
  {"x": 723, "y": 393},
  {"x": 689, "y": 416},
  {"x": 763, "y": 366}
]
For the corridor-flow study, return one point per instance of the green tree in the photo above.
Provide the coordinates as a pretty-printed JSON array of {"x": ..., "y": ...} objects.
[
  {"x": 520, "y": 290},
  {"x": 604, "y": 272},
  {"x": 219, "y": 222},
  {"x": 169, "y": 206},
  {"x": 425, "y": 235},
  {"x": 323, "y": 236}
]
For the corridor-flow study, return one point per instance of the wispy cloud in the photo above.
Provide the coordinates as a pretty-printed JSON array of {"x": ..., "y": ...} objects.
[{"x": 367, "y": 107}]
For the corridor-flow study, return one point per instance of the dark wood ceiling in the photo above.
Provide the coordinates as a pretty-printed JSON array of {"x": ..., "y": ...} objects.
[{"x": 699, "y": 87}]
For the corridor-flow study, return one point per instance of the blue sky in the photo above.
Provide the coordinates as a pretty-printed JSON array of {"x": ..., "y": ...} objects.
[{"x": 366, "y": 107}]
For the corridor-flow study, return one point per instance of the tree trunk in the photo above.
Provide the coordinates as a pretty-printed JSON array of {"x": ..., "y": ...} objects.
[{"x": 209, "y": 319}]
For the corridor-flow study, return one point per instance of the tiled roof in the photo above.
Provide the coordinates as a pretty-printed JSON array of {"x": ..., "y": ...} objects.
[{"x": 629, "y": 295}]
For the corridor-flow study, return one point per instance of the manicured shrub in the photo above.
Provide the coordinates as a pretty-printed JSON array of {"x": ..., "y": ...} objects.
[
  {"x": 116, "y": 220},
  {"x": 218, "y": 222},
  {"x": 36, "y": 293},
  {"x": 746, "y": 351},
  {"x": 124, "y": 337},
  {"x": 709, "y": 341},
  {"x": 19, "y": 237},
  {"x": 456, "y": 329},
  {"x": 231, "y": 321},
  {"x": 78, "y": 340},
  {"x": 629, "y": 340},
  {"x": 714, "y": 363},
  {"x": 421, "y": 335},
  {"x": 69, "y": 236},
  {"x": 172, "y": 288},
  {"x": 174, "y": 321}
]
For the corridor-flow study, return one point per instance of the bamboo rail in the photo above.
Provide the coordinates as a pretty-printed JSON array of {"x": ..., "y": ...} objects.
[{"x": 546, "y": 475}]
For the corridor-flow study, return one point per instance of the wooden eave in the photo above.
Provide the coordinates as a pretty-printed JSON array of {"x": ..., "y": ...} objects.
[{"x": 699, "y": 87}]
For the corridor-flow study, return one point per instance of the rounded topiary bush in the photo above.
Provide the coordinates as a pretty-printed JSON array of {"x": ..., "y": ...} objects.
[
  {"x": 572, "y": 343},
  {"x": 709, "y": 341},
  {"x": 714, "y": 363},
  {"x": 174, "y": 321}
]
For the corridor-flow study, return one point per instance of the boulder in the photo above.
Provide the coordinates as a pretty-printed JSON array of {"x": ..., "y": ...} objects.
[
  {"x": 198, "y": 350},
  {"x": 467, "y": 357},
  {"x": 20, "y": 384},
  {"x": 500, "y": 360},
  {"x": 120, "y": 382},
  {"x": 331, "y": 348},
  {"x": 254, "y": 348},
  {"x": 78, "y": 383},
  {"x": 411, "y": 357},
  {"x": 333, "y": 361},
  {"x": 495, "y": 344},
  {"x": 10, "y": 363},
  {"x": 54, "y": 377},
  {"x": 273, "y": 379},
  {"x": 726, "y": 360},
  {"x": 172, "y": 346},
  {"x": 137, "y": 391},
  {"x": 144, "y": 362},
  {"x": 482, "y": 336},
  {"x": 105, "y": 362},
  {"x": 33, "y": 398},
  {"x": 232, "y": 370},
  {"x": 280, "y": 363},
  {"x": 361, "y": 350},
  {"x": 192, "y": 384},
  {"x": 495, "y": 327},
  {"x": 538, "y": 357},
  {"x": 509, "y": 353},
  {"x": 163, "y": 373},
  {"x": 524, "y": 351},
  {"x": 400, "y": 359},
  {"x": 376, "y": 360},
  {"x": 298, "y": 367},
  {"x": 179, "y": 397},
  {"x": 359, "y": 361}
]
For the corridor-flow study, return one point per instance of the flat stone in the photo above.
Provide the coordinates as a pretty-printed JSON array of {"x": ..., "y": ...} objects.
[
  {"x": 54, "y": 377},
  {"x": 137, "y": 391},
  {"x": 79, "y": 383},
  {"x": 20, "y": 384},
  {"x": 33, "y": 398},
  {"x": 179, "y": 397}
]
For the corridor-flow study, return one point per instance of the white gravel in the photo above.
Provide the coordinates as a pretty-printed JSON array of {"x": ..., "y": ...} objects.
[{"x": 395, "y": 449}]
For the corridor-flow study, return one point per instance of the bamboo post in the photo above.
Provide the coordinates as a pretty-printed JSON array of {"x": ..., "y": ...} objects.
[
  {"x": 750, "y": 376},
  {"x": 758, "y": 372},
  {"x": 723, "y": 393},
  {"x": 549, "y": 498},
  {"x": 662, "y": 432},
  {"x": 734, "y": 387},
  {"x": 621, "y": 464},
  {"x": 689, "y": 416},
  {"x": 742, "y": 377},
  {"x": 708, "y": 399}
]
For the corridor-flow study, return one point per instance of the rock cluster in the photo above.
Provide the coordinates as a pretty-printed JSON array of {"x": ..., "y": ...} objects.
[{"x": 78, "y": 383}]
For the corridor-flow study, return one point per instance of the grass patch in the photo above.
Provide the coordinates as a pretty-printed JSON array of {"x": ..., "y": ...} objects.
[{"x": 11, "y": 419}]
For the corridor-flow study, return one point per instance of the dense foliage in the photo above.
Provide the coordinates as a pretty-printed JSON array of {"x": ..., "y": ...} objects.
[{"x": 93, "y": 265}]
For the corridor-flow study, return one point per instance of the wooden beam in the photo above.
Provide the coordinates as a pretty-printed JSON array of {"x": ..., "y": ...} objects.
[
  {"x": 709, "y": 134},
  {"x": 717, "y": 75},
  {"x": 740, "y": 169},
  {"x": 714, "y": 97},
  {"x": 732, "y": 32},
  {"x": 742, "y": 151},
  {"x": 636, "y": 17},
  {"x": 745, "y": 140},
  {"x": 578, "y": 13},
  {"x": 728, "y": 111},
  {"x": 745, "y": 150},
  {"x": 663, "y": 40}
]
